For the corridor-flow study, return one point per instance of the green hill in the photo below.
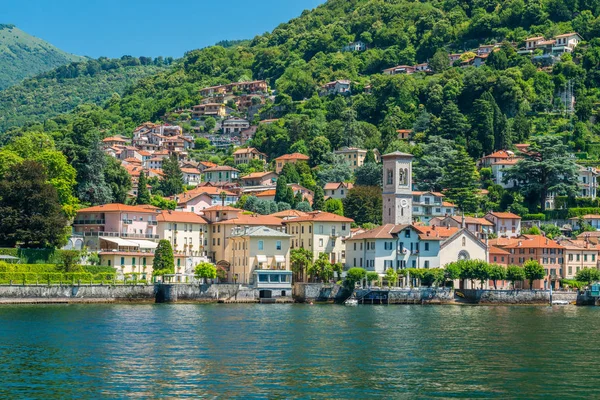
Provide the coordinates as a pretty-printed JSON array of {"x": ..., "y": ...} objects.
[
  {"x": 62, "y": 89},
  {"x": 22, "y": 56}
]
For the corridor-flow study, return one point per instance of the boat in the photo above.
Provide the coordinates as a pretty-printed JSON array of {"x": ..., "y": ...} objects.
[
  {"x": 560, "y": 303},
  {"x": 351, "y": 302}
]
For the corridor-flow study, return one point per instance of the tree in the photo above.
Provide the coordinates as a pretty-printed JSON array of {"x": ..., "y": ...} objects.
[
  {"x": 118, "y": 179},
  {"x": 336, "y": 169},
  {"x": 429, "y": 169},
  {"x": 334, "y": 206},
  {"x": 318, "y": 149},
  {"x": 304, "y": 206},
  {"x": 452, "y": 271},
  {"x": 321, "y": 268},
  {"x": 551, "y": 231},
  {"x": 30, "y": 209},
  {"x": 432, "y": 275},
  {"x": 453, "y": 124},
  {"x": 369, "y": 174},
  {"x": 353, "y": 276},
  {"x": 92, "y": 187},
  {"x": 588, "y": 275},
  {"x": 460, "y": 180},
  {"x": 69, "y": 261},
  {"x": 497, "y": 273},
  {"x": 364, "y": 204},
  {"x": 281, "y": 190},
  {"x": 533, "y": 270},
  {"x": 290, "y": 173},
  {"x": 370, "y": 157},
  {"x": 209, "y": 124},
  {"x": 391, "y": 277},
  {"x": 205, "y": 270},
  {"x": 301, "y": 259},
  {"x": 143, "y": 194},
  {"x": 164, "y": 262},
  {"x": 372, "y": 277},
  {"x": 318, "y": 199},
  {"x": 514, "y": 273},
  {"x": 440, "y": 61},
  {"x": 172, "y": 181},
  {"x": 545, "y": 168}
]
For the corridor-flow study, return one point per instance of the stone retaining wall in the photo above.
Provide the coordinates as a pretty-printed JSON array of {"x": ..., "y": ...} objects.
[
  {"x": 512, "y": 296},
  {"x": 319, "y": 292},
  {"x": 79, "y": 292}
]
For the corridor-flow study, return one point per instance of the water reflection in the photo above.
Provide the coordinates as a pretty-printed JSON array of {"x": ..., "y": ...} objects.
[{"x": 242, "y": 351}]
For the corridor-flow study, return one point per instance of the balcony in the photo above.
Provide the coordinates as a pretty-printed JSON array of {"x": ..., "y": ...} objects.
[
  {"x": 89, "y": 222},
  {"x": 127, "y": 221},
  {"x": 153, "y": 223},
  {"x": 122, "y": 235}
]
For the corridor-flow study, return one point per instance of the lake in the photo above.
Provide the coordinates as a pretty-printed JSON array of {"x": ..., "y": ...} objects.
[{"x": 292, "y": 350}]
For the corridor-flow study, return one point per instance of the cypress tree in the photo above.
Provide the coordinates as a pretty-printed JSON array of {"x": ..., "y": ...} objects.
[
  {"x": 460, "y": 181},
  {"x": 281, "y": 190},
  {"x": 143, "y": 195},
  {"x": 319, "y": 199},
  {"x": 164, "y": 262}
]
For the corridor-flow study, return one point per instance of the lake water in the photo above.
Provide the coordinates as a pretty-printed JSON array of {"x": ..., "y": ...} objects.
[{"x": 291, "y": 351}]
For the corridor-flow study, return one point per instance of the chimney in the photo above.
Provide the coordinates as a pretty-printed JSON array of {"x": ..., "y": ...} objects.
[
  {"x": 462, "y": 223},
  {"x": 520, "y": 243},
  {"x": 428, "y": 233},
  {"x": 433, "y": 228}
]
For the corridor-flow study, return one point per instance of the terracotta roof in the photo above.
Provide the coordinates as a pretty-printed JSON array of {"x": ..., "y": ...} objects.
[
  {"x": 500, "y": 154},
  {"x": 293, "y": 156},
  {"x": 502, "y": 242},
  {"x": 114, "y": 139},
  {"x": 192, "y": 194},
  {"x": 472, "y": 220},
  {"x": 266, "y": 193},
  {"x": 222, "y": 208},
  {"x": 587, "y": 216},
  {"x": 246, "y": 151},
  {"x": 579, "y": 245},
  {"x": 504, "y": 215},
  {"x": 255, "y": 175},
  {"x": 437, "y": 194},
  {"x": 336, "y": 185},
  {"x": 589, "y": 234},
  {"x": 252, "y": 219},
  {"x": 208, "y": 164},
  {"x": 497, "y": 251},
  {"x": 144, "y": 153},
  {"x": 221, "y": 168},
  {"x": 507, "y": 162},
  {"x": 180, "y": 216},
  {"x": 534, "y": 242},
  {"x": 448, "y": 204},
  {"x": 118, "y": 207},
  {"x": 323, "y": 216},
  {"x": 381, "y": 232},
  {"x": 436, "y": 231},
  {"x": 191, "y": 171},
  {"x": 132, "y": 160},
  {"x": 534, "y": 38},
  {"x": 289, "y": 214},
  {"x": 566, "y": 34}
]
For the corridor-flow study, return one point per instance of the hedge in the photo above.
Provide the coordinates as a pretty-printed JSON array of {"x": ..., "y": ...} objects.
[
  {"x": 35, "y": 256},
  {"x": 571, "y": 212},
  {"x": 54, "y": 277},
  {"x": 531, "y": 217}
]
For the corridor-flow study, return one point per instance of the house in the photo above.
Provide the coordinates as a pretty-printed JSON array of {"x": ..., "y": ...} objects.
[
  {"x": 454, "y": 57},
  {"x": 243, "y": 156},
  {"x": 203, "y": 197},
  {"x": 359, "y": 45},
  {"x": 186, "y": 231},
  {"x": 337, "y": 190},
  {"x": 500, "y": 155},
  {"x": 248, "y": 87},
  {"x": 579, "y": 254},
  {"x": 260, "y": 257},
  {"x": 222, "y": 230},
  {"x": 234, "y": 125},
  {"x": 355, "y": 157},
  {"x": 115, "y": 221},
  {"x": 404, "y": 134},
  {"x": 289, "y": 159},
  {"x": 209, "y": 109},
  {"x": 221, "y": 173},
  {"x": 399, "y": 246},
  {"x": 428, "y": 205},
  {"x": 485, "y": 49},
  {"x": 268, "y": 178},
  {"x": 155, "y": 162},
  {"x": 587, "y": 181},
  {"x": 481, "y": 227},
  {"x": 506, "y": 224},
  {"x": 307, "y": 194},
  {"x": 566, "y": 42},
  {"x": 213, "y": 91},
  {"x": 423, "y": 67},
  {"x": 498, "y": 256},
  {"x": 320, "y": 232},
  {"x": 336, "y": 87},
  {"x": 289, "y": 214},
  {"x": 592, "y": 220},
  {"x": 532, "y": 43},
  {"x": 399, "y": 69},
  {"x": 499, "y": 169},
  {"x": 191, "y": 176},
  {"x": 547, "y": 252},
  {"x": 114, "y": 141}
]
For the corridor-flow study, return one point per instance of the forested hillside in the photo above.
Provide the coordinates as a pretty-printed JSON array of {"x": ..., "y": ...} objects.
[
  {"x": 62, "y": 89},
  {"x": 22, "y": 56},
  {"x": 464, "y": 111}
]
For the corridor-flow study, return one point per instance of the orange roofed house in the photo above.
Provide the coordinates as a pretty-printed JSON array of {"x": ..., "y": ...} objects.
[
  {"x": 245, "y": 155},
  {"x": 289, "y": 159},
  {"x": 203, "y": 197},
  {"x": 506, "y": 224}
]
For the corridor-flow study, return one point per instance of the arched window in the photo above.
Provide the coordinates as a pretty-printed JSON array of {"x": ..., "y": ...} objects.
[
  {"x": 464, "y": 241},
  {"x": 464, "y": 255},
  {"x": 390, "y": 177}
]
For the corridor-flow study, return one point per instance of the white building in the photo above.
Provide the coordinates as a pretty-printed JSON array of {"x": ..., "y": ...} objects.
[
  {"x": 506, "y": 224},
  {"x": 397, "y": 192},
  {"x": 428, "y": 205},
  {"x": 234, "y": 125}
]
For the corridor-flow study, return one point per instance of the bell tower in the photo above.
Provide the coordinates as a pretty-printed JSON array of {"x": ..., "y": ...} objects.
[{"x": 397, "y": 188}]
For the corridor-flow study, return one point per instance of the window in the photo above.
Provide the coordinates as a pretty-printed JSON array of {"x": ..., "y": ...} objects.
[
  {"x": 278, "y": 245},
  {"x": 261, "y": 245},
  {"x": 310, "y": 229},
  {"x": 109, "y": 263},
  {"x": 570, "y": 270},
  {"x": 122, "y": 260},
  {"x": 570, "y": 257},
  {"x": 133, "y": 261},
  {"x": 426, "y": 264},
  {"x": 407, "y": 233},
  {"x": 303, "y": 229},
  {"x": 426, "y": 246},
  {"x": 464, "y": 241},
  {"x": 343, "y": 227},
  {"x": 390, "y": 177},
  {"x": 320, "y": 242},
  {"x": 320, "y": 228},
  {"x": 354, "y": 246}
]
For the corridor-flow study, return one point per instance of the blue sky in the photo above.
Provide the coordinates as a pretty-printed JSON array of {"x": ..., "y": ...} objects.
[{"x": 113, "y": 28}]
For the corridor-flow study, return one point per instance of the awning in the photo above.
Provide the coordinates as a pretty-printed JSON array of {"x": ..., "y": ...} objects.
[
  {"x": 279, "y": 259},
  {"x": 261, "y": 259},
  {"x": 145, "y": 244},
  {"x": 121, "y": 242}
]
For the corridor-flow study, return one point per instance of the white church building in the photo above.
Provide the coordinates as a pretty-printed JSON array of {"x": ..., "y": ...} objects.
[{"x": 399, "y": 243}]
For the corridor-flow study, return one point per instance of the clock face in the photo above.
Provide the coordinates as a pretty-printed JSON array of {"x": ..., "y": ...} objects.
[{"x": 404, "y": 203}]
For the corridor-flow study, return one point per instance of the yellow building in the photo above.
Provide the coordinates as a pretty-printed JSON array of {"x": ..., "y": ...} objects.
[
  {"x": 355, "y": 157},
  {"x": 260, "y": 256},
  {"x": 320, "y": 232}
]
